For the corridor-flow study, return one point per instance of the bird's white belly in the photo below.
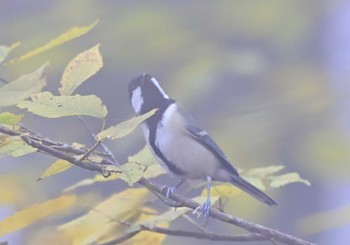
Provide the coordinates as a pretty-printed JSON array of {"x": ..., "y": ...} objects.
[{"x": 179, "y": 148}]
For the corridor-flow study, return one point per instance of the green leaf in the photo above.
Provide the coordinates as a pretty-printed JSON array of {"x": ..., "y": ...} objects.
[
  {"x": 58, "y": 166},
  {"x": 14, "y": 146},
  {"x": 79, "y": 69},
  {"x": 69, "y": 35},
  {"x": 131, "y": 173},
  {"x": 4, "y": 51},
  {"x": 23, "y": 87},
  {"x": 124, "y": 128},
  {"x": 9, "y": 118},
  {"x": 143, "y": 157},
  {"x": 281, "y": 180},
  {"x": 47, "y": 105}
]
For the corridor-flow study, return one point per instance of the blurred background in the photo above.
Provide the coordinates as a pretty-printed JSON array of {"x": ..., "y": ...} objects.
[{"x": 268, "y": 79}]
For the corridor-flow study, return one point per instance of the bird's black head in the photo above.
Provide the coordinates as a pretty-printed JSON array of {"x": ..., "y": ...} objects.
[{"x": 146, "y": 94}]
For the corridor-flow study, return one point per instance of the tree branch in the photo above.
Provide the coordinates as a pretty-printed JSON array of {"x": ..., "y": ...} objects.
[{"x": 260, "y": 232}]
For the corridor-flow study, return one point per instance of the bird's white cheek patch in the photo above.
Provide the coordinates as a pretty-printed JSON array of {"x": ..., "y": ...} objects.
[{"x": 137, "y": 100}]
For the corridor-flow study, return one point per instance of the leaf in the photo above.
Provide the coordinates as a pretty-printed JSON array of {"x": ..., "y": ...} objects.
[
  {"x": 34, "y": 213},
  {"x": 69, "y": 35},
  {"x": 4, "y": 51},
  {"x": 14, "y": 146},
  {"x": 47, "y": 105},
  {"x": 79, "y": 69},
  {"x": 90, "y": 227},
  {"x": 22, "y": 87},
  {"x": 58, "y": 166},
  {"x": 143, "y": 157},
  {"x": 9, "y": 118},
  {"x": 131, "y": 173},
  {"x": 264, "y": 171},
  {"x": 124, "y": 128},
  {"x": 222, "y": 190},
  {"x": 284, "y": 179},
  {"x": 153, "y": 171}
]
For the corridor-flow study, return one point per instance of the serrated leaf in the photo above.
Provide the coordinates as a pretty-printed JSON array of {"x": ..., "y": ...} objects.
[
  {"x": 47, "y": 105},
  {"x": 34, "y": 213},
  {"x": 79, "y": 69},
  {"x": 222, "y": 190},
  {"x": 69, "y": 35},
  {"x": 9, "y": 118},
  {"x": 58, "y": 166},
  {"x": 5, "y": 50},
  {"x": 23, "y": 87},
  {"x": 281, "y": 180},
  {"x": 131, "y": 173},
  {"x": 14, "y": 146},
  {"x": 124, "y": 128}
]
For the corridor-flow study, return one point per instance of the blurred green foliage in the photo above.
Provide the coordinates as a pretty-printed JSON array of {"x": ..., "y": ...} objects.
[{"x": 251, "y": 72}]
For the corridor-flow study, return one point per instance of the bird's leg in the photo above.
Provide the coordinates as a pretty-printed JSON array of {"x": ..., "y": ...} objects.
[
  {"x": 171, "y": 189},
  {"x": 205, "y": 207}
]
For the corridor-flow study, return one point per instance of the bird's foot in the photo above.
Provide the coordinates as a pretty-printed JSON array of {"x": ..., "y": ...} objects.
[
  {"x": 203, "y": 209},
  {"x": 169, "y": 190}
]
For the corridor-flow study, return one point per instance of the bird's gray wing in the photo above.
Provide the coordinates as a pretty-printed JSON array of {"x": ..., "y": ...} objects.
[{"x": 203, "y": 138}]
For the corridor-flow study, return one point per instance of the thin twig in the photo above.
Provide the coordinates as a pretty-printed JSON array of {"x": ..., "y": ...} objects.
[{"x": 105, "y": 148}]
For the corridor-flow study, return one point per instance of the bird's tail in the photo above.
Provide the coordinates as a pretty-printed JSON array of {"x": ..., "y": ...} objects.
[{"x": 252, "y": 190}]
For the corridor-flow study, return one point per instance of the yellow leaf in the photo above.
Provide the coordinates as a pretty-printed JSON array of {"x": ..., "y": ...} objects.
[
  {"x": 79, "y": 69},
  {"x": 288, "y": 178},
  {"x": 34, "y": 213},
  {"x": 47, "y": 105},
  {"x": 63, "y": 38},
  {"x": 14, "y": 146},
  {"x": 124, "y": 128},
  {"x": 4, "y": 51},
  {"x": 222, "y": 190},
  {"x": 22, "y": 87},
  {"x": 58, "y": 166},
  {"x": 9, "y": 118},
  {"x": 101, "y": 219}
]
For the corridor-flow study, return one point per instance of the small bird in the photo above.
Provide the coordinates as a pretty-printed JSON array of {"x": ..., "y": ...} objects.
[{"x": 180, "y": 146}]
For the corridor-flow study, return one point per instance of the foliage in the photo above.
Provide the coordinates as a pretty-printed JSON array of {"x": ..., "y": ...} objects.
[{"x": 125, "y": 212}]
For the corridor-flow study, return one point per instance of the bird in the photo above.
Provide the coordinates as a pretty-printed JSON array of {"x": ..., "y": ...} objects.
[{"x": 181, "y": 147}]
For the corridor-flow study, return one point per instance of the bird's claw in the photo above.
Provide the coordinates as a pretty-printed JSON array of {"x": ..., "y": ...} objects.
[
  {"x": 170, "y": 190},
  {"x": 203, "y": 209}
]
